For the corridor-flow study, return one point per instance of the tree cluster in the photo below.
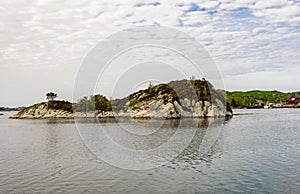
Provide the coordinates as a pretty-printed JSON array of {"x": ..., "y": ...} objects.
[{"x": 94, "y": 102}]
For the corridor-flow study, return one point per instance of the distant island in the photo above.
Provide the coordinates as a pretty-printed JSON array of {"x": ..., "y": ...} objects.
[
  {"x": 3, "y": 109},
  {"x": 176, "y": 99},
  {"x": 263, "y": 99},
  {"x": 11, "y": 109}
]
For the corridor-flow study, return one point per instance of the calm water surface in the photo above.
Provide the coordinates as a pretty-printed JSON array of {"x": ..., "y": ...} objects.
[{"x": 255, "y": 151}]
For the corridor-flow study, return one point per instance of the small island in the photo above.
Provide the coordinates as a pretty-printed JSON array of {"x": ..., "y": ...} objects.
[
  {"x": 177, "y": 99},
  {"x": 45, "y": 110}
]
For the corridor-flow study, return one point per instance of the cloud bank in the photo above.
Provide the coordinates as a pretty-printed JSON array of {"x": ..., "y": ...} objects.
[{"x": 255, "y": 43}]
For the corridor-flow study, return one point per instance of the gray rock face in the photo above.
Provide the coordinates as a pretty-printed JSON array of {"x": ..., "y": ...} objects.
[
  {"x": 174, "y": 110},
  {"x": 84, "y": 115},
  {"x": 147, "y": 109},
  {"x": 108, "y": 114},
  {"x": 153, "y": 109}
]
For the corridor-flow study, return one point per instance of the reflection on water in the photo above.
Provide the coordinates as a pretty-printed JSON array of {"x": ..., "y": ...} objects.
[
  {"x": 205, "y": 145},
  {"x": 255, "y": 151},
  {"x": 51, "y": 142},
  {"x": 145, "y": 144}
]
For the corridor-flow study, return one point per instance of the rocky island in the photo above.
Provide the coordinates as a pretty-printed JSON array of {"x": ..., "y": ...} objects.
[
  {"x": 45, "y": 110},
  {"x": 174, "y": 100}
]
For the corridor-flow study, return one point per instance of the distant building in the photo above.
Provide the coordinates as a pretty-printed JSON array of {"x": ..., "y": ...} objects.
[
  {"x": 293, "y": 99},
  {"x": 258, "y": 103}
]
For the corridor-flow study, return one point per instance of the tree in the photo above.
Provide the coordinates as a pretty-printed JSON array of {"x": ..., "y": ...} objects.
[
  {"x": 84, "y": 104},
  {"x": 233, "y": 103},
  {"x": 150, "y": 88},
  {"x": 95, "y": 102},
  {"x": 150, "y": 85},
  {"x": 51, "y": 95},
  {"x": 102, "y": 103}
]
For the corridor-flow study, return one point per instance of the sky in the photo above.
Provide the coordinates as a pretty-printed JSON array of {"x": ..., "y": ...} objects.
[{"x": 254, "y": 43}]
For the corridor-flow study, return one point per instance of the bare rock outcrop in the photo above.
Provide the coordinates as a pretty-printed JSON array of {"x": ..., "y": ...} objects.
[{"x": 177, "y": 99}]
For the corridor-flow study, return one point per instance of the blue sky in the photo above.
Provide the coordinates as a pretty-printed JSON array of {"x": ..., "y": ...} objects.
[{"x": 255, "y": 43}]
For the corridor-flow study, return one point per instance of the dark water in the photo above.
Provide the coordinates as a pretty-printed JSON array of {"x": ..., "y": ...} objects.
[{"x": 255, "y": 151}]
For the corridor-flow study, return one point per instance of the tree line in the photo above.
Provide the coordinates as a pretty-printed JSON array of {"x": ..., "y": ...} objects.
[{"x": 94, "y": 102}]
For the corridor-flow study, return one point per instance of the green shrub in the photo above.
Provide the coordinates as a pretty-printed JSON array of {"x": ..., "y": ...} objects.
[{"x": 133, "y": 102}]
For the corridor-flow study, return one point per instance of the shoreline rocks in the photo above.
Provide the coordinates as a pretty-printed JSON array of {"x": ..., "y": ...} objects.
[
  {"x": 157, "y": 109},
  {"x": 148, "y": 109},
  {"x": 42, "y": 111}
]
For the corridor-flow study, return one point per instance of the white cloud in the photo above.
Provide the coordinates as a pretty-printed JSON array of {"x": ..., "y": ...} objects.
[
  {"x": 243, "y": 36},
  {"x": 270, "y": 4}
]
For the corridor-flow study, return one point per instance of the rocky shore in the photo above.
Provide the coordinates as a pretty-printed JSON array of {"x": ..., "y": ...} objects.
[
  {"x": 177, "y": 99},
  {"x": 42, "y": 111}
]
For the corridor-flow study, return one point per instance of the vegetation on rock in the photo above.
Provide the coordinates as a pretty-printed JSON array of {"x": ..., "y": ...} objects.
[
  {"x": 199, "y": 90},
  {"x": 55, "y": 105},
  {"x": 60, "y": 105}
]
